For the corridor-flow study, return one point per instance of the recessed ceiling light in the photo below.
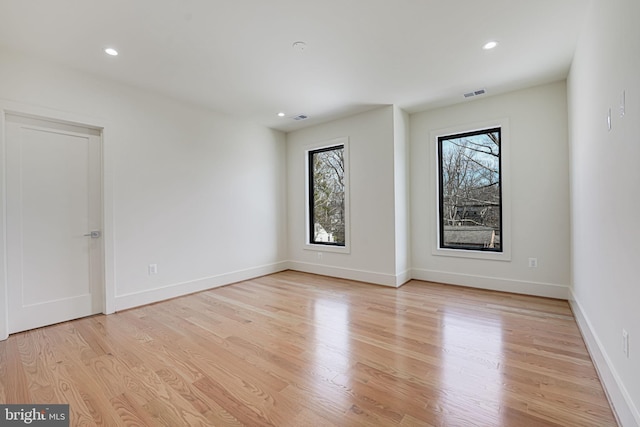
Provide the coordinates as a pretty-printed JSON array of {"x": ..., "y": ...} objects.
[
  {"x": 111, "y": 51},
  {"x": 490, "y": 45},
  {"x": 281, "y": 114}
]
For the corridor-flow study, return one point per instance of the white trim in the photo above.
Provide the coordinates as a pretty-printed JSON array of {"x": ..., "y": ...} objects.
[
  {"x": 42, "y": 113},
  {"x": 403, "y": 278},
  {"x": 505, "y": 174},
  {"x": 136, "y": 299},
  {"x": 4, "y": 297},
  {"x": 325, "y": 248},
  {"x": 344, "y": 141},
  {"x": 348, "y": 273},
  {"x": 467, "y": 253},
  {"x": 625, "y": 411},
  {"x": 108, "y": 235},
  {"x": 548, "y": 290}
]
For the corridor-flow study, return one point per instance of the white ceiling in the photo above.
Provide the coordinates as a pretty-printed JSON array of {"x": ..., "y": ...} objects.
[{"x": 236, "y": 56}]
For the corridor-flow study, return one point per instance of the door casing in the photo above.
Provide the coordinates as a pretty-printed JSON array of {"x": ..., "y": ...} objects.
[{"x": 9, "y": 107}]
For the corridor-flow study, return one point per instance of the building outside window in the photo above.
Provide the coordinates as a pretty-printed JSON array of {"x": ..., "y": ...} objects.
[{"x": 470, "y": 191}]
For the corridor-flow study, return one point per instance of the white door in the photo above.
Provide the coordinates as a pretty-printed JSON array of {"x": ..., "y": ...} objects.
[{"x": 54, "y": 202}]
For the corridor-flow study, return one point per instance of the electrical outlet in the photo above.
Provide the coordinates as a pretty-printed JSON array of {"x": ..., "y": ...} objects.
[
  {"x": 153, "y": 269},
  {"x": 533, "y": 262},
  {"x": 319, "y": 256},
  {"x": 625, "y": 342}
]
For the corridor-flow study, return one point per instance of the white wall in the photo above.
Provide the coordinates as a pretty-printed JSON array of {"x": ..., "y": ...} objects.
[
  {"x": 401, "y": 190},
  {"x": 204, "y": 195},
  {"x": 605, "y": 179},
  {"x": 537, "y": 122},
  {"x": 372, "y": 198},
  {"x": 201, "y": 194}
]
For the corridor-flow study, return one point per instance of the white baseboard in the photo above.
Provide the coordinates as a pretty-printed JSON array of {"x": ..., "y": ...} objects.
[
  {"x": 626, "y": 412},
  {"x": 493, "y": 283},
  {"x": 403, "y": 278},
  {"x": 348, "y": 273},
  {"x": 136, "y": 299}
]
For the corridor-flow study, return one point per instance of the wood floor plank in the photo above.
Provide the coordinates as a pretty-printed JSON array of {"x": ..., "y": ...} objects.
[
  {"x": 295, "y": 349},
  {"x": 15, "y": 382}
]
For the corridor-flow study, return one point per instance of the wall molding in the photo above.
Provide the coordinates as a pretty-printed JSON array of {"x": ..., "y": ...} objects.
[
  {"x": 383, "y": 279},
  {"x": 403, "y": 278},
  {"x": 136, "y": 299},
  {"x": 150, "y": 296},
  {"x": 548, "y": 290},
  {"x": 626, "y": 413}
]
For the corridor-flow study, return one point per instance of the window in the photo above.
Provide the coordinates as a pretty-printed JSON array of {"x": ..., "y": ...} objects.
[
  {"x": 327, "y": 196},
  {"x": 470, "y": 191}
]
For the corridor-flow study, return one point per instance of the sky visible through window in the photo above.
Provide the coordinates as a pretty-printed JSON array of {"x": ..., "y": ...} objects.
[
  {"x": 470, "y": 190},
  {"x": 327, "y": 194}
]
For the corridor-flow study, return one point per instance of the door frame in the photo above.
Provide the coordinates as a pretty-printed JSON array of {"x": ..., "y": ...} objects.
[{"x": 10, "y": 107}]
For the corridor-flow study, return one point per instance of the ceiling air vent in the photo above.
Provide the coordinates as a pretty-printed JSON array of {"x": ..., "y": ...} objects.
[
  {"x": 301, "y": 117},
  {"x": 475, "y": 93}
]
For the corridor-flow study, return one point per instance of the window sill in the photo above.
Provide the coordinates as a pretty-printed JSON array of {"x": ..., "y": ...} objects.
[
  {"x": 327, "y": 248},
  {"x": 471, "y": 254}
]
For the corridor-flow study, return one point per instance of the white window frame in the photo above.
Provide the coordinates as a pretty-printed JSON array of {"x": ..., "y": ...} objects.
[
  {"x": 344, "y": 141},
  {"x": 505, "y": 176}
]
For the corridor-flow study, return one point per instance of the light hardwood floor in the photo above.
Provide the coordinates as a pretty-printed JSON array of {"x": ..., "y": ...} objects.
[{"x": 294, "y": 349}]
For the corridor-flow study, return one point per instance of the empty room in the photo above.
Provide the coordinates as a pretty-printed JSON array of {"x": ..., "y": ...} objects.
[{"x": 339, "y": 213}]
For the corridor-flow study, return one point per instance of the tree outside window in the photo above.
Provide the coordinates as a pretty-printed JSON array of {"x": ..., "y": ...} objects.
[
  {"x": 327, "y": 196},
  {"x": 470, "y": 194}
]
